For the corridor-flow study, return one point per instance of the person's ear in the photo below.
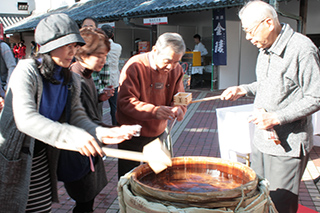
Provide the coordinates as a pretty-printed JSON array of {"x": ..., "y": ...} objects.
[
  {"x": 270, "y": 23},
  {"x": 154, "y": 49}
]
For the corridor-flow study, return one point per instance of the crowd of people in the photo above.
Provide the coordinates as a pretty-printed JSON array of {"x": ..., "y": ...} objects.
[{"x": 51, "y": 126}]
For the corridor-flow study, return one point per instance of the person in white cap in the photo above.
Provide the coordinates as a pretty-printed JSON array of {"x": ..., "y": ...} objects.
[{"x": 42, "y": 111}]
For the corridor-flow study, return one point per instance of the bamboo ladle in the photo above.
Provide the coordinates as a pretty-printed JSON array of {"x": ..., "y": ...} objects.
[
  {"x": 155, "y": 154},
  {"x": 184, "y": 98}
]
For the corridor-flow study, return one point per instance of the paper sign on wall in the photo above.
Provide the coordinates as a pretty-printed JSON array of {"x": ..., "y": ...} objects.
[{"x": 155, "y": 21}]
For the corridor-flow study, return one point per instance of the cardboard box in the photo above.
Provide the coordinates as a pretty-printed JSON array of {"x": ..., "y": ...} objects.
[{"x": 192, "y": 57}]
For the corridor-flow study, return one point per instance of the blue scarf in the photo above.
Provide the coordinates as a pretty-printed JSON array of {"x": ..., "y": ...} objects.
[{"x": 54, "y": 96}]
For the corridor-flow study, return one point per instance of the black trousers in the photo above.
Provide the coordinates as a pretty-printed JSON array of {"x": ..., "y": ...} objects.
[
  {"x": 284, "y": 175},
  {"x": 85, "y": 207},
  {"x": 134, "y": 144}
]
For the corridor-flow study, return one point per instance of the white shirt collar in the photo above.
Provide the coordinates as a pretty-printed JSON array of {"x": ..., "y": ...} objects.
[{"x": 152, "y": 62}]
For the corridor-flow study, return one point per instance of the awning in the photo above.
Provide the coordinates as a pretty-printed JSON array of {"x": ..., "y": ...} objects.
[
  {"x": 10, "y": 19},
  {"x": 108, "y": 10},
  {"x": 114, "y": 10},
  {"x": 30, "y": 23},
  {"x": 166, "y": 7}
]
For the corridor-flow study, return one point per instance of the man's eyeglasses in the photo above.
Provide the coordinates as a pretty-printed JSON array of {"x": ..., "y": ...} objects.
[{"x": 252, "y": 30}]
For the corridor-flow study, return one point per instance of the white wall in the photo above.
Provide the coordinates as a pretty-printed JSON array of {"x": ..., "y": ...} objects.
[
  {"x": 11, "y": 7},
  {"x": 228, "y": 74},
  {"x": 248, "y": 56},
  {"x": 44, "y": 5}
]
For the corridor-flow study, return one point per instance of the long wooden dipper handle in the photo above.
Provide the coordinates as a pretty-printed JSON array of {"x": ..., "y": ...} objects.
[
  {"x": 124, "y": 154},
  {"x": 152, "y": 153},
  {"x": 212, "y": 98},
  {"x": 111, "y": 152},
  {"x": 206, "y": 99}
]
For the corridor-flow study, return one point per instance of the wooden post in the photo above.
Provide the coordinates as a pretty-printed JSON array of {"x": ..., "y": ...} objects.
[{"x": 303, "y": 14}]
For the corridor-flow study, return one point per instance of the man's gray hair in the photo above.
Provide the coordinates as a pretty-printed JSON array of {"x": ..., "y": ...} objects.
[
  {"x": 258, "y": 10},
  {"x": 172, "y": 40}
]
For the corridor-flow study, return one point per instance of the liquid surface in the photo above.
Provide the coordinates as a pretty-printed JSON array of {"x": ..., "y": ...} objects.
[{"x": 191, "y": 181}]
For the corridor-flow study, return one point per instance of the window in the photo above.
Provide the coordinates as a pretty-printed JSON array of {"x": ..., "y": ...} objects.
[{"x": 23, "y": 6}]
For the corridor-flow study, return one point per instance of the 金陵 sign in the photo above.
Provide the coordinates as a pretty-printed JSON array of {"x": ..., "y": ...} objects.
[
  {"x": 219, "y": 51},
  {"x": 155, "y": 21}
]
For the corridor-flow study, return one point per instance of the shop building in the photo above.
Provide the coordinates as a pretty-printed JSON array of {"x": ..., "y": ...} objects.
[
  {"x": 12, "y": 12},
  {"x": 186, "y": 18}
]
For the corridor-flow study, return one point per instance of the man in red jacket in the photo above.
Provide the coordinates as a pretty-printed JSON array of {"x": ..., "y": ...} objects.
[{"x": 148, "y": 83}]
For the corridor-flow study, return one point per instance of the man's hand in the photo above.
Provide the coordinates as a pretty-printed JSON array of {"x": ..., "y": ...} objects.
[
  {"x": 165, "y": 113},
  {"x": 264, "y": 120},
  {"x": 117, "y": 135},
  {"x": 178, "y": 113},
  {"x": 233, "y": 93}
]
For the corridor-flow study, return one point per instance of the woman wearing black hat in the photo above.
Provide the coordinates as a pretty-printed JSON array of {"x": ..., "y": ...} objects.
[{"x": 42, "y": 111}]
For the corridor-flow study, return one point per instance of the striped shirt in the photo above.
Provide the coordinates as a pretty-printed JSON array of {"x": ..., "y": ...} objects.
[{"x": 39, "y": 199}]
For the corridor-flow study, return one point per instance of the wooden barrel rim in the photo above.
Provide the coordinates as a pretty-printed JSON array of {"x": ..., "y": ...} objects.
[{"x": 146, "y": 191}]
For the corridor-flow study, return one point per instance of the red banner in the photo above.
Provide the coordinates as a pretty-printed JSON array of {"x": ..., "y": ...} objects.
[{"x": 1, "y": 31}]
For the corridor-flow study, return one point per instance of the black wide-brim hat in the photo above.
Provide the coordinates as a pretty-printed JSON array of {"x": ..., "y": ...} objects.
[{"x": 55, "y": 31}]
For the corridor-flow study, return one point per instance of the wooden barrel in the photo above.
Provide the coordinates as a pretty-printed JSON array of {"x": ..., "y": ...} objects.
[{"x": 204, "y": 182}]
